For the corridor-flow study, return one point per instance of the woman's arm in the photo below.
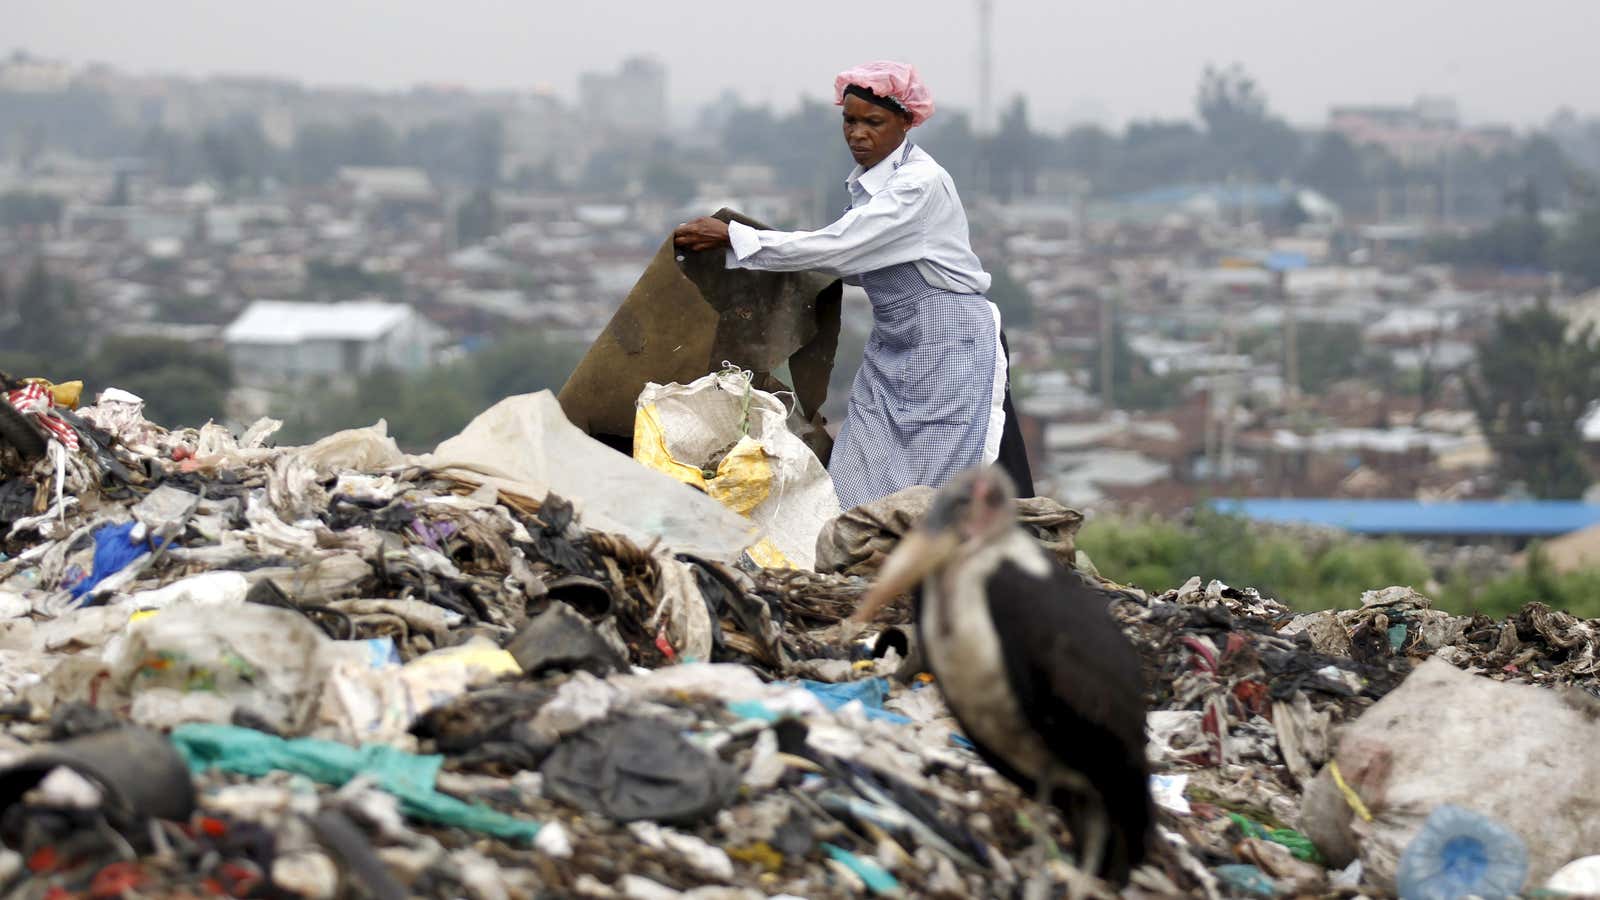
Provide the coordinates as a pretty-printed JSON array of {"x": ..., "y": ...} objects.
[{"x": 887, "y": 231}]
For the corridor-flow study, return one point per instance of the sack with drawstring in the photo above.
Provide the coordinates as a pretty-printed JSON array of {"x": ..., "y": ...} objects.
[{"x": 721, "y": 435}]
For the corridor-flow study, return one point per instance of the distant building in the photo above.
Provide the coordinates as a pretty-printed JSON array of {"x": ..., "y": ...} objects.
[
  {"x": 633, "y": 100},
  {"x": 25, "y": 74},
  {"x": 275, "y": 340},
  {"x": 1420, "y": 133},
  {"x": 380, "y": 184}
]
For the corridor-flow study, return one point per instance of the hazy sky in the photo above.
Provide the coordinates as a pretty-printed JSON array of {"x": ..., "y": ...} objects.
[{"x": 1116, "y": 59}]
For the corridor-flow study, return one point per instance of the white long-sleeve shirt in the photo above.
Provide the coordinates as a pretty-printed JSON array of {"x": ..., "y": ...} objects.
[{"x": 904, "y": 209}]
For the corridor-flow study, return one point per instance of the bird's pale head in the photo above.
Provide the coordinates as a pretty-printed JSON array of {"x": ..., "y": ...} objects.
[{"x": 972, "y": 509}]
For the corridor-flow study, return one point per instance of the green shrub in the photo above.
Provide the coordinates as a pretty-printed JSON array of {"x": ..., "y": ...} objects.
[{"x": 1310, "y": 572}]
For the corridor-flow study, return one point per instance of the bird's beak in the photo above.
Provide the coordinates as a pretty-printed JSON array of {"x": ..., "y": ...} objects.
[{"x": 919, "y": 553}]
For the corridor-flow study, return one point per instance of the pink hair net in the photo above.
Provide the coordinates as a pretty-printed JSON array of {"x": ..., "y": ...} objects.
[{"x": 886, "y": 78}]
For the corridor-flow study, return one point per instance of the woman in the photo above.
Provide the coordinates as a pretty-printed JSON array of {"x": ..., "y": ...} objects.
[{"x": 932, "y": 396}]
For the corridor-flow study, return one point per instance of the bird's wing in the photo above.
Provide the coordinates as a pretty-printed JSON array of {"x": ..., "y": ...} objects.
[{"x": 1075, "y": 673}]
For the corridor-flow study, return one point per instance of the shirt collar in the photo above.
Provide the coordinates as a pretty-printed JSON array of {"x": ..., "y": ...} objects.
[{"x": 872, "y": 180}]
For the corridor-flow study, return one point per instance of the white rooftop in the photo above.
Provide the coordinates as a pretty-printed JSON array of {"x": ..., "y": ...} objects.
[{"x": 290, "y": 322}]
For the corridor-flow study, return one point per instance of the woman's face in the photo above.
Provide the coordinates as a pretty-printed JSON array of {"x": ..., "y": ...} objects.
[{"x": 871, "y": 131}]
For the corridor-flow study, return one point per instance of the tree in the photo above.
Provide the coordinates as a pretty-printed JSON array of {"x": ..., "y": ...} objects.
[
  {"x": 238, "y": 154},
  {"x": 1013, "y": 153},
  {"x": 1533, "y": 384},
  {"x": 486, "y": 147},
  {"x": 27, "y": 208},
  {"x": 664, "y": 180},
  {"x": 1576, "y": 251},
  {"x": 477, "y": 219},
  {"x": 49, "y": 316},
  {"x": 1088, "y": 149},
  {"x": 1516, "y": 241},
  {"x": 1014, "y": 301},
  {"x": 182, "y": 385},
  {"x": 1333, "y": 351},
  {"x": 1246, "y": 137},
  {"x": 1335, "y": 166}
]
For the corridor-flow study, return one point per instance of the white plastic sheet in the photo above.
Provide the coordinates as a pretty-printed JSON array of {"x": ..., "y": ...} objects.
[{"x": 525, "y": 447}]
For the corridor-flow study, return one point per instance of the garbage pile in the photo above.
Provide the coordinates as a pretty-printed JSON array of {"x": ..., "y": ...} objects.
[{"x": 527, "y": 666}]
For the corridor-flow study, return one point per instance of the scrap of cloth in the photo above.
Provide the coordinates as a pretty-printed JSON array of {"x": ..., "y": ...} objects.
[
  {"x": 896, "y": 80},
  {"x": 35, "y": 401}
]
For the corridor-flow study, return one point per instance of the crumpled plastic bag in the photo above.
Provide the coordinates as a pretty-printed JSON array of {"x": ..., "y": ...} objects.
[
  {"x": 195, "y": 662},
  {"x": 1519, "y": 754},
  {"x": 633, "y": 769},
  {"x": 722, "y": 436},
  {"x": 857, "y": 542}
]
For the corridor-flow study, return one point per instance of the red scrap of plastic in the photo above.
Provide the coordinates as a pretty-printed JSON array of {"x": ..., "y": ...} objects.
[
  {"x": 181, "y": 453},
  {"x": 1253, "y": 695},
  {"x": 664, "y": 645},
  {"x": 43, "y": 859},
  {"x": 117, "y": 879},
  {"x": 240, "y": 878},
  {"x": 1206, "y": 653},
  {"x": 211, "y": 827},
  {"x": 1236, "y": 642}
]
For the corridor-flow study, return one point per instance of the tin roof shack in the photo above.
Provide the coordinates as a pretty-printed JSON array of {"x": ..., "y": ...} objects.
[{"x": 275, "y": 340}]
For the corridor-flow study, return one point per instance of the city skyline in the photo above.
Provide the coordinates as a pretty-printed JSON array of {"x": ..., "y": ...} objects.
[{"x": 1517, "y": 71}]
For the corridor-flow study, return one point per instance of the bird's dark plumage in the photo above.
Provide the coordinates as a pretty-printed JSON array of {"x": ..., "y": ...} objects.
[
  {"x": 1077, "y": 679},
  {"x": 1033, "y": 665}
]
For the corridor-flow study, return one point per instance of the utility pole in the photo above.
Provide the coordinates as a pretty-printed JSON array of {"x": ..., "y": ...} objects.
[
  {"x": 1107, "y": 348},
  {"x": 1291, "y": 349},
  {"x": 985, "y": 68},
  {"x": 1234, "y": 379}
]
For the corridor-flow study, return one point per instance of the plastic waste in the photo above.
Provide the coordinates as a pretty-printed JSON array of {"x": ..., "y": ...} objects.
[
  {"x": 1423, "y": 746},
  {"x": 1167, "y": 792},
  {"x": 140, "y": 774},
  {"x": 561, "y": 638},
  {"x": 1246, "y": 879},
  {"x": 524, "y": 447},
  {"x": 407, "y": 776},
  {"x": 877, "y": 879},
  {"x": 115, "y": 546},
  {"x": 869, "y": 692},
  {"x": 204, "y": 662},
  {"x": 1460, "y": 853},
  {"x": 722, "y": 436},
  {"x": 631, "y": 769},
  {"x": 1298, "y": 844},
  {"x": 1579, "y": 878}
]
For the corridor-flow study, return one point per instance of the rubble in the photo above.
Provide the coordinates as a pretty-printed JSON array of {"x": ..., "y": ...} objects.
[{"x": 496, "y": 671}]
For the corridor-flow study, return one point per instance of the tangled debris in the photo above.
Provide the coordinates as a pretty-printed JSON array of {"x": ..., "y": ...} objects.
[{"x": 352, "y": 668}]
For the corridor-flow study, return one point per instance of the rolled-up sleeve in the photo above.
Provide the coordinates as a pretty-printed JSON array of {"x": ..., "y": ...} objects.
[{"x": 890, "y": 229}]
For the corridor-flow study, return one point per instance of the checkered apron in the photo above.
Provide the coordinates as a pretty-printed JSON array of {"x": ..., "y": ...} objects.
[{"x": 919, "y": 406}]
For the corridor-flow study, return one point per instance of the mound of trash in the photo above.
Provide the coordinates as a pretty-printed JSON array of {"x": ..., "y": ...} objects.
[{"x": 526, "y": 665}]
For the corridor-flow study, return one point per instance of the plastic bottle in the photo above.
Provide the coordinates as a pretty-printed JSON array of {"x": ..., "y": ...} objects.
[{"x": 1460, "y": 853}]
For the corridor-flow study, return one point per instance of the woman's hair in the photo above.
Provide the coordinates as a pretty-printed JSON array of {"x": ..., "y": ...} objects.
[{"x": 889, "y": 103}]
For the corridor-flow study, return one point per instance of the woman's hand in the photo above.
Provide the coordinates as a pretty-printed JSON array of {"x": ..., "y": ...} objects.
[{"x": 704, "y": 233}]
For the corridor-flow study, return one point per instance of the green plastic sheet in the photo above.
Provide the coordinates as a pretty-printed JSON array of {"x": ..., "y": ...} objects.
[
  {"x": 1298, "y": 844},
  {"x": 406, "y": 775}
]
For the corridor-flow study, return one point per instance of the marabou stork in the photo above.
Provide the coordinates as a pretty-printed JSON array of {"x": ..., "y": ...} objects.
[{"x": 1032, "y": 665}]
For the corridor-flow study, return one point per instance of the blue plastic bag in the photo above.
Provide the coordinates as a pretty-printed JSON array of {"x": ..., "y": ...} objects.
[{"x": 1461, "y": 853}]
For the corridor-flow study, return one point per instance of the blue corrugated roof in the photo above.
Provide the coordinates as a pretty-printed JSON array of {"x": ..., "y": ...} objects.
[{"x": 1537, "y": 518}]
